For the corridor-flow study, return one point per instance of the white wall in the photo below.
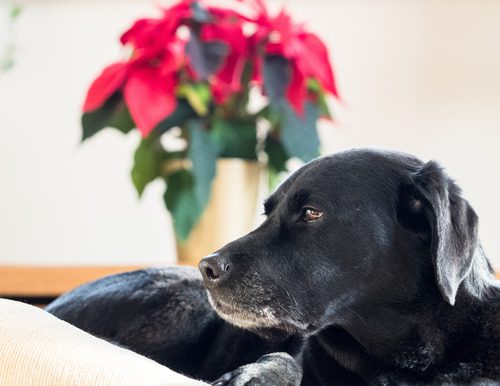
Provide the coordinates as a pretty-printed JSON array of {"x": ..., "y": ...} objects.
[
  {"x": 62, "y": 203},
  {"x": 421, "y": 76}
]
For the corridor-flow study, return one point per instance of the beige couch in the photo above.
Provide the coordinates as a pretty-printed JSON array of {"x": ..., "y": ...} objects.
[{"x": 36, "y": 348}]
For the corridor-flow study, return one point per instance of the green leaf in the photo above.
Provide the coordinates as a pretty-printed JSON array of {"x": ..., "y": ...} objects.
[
  {"x": 15, "y": 11},
  {"x": 276, "y": 154},
  {"x": 198, "y": 96},
  {"x": 324, "y": 110},
  {"x": 235, "y": 138},
  {"x": 148, "y": 159},
  {"x": 113, "y": 113},
  {"x": 179, "y": 117},
  {"x": 314, "y": 86},
  {"x": 205, "y": 57},
  {"x": 122, "y": 120},
  {"x": 276, "y": 160},
  {"x": 203, "y": 155},
  {"x": 180, "y": 199},
  {"x": 276, "y": 77},
  {"x": 299, "y": 134}
]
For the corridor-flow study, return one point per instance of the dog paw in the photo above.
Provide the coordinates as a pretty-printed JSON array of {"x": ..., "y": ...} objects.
[
  {"x": 243, "y": 376},
  {"x": 277, "y": 369}
]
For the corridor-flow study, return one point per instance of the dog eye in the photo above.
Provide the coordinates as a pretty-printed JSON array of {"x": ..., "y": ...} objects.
[{"x": 310, "y": 215}]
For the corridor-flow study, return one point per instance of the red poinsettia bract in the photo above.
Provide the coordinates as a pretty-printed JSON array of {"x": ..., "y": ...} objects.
[
  {"x": 305, "y": 52},
  {"x": 148, "y": 80}
]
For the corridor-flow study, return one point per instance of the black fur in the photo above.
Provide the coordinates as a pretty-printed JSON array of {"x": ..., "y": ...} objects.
[{"x": 389, "y": 286}]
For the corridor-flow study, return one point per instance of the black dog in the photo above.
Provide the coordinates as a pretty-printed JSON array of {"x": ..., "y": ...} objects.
[{"x": 367, "y": 270}]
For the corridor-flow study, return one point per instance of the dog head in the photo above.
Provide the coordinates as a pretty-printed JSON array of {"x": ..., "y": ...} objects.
[{"x": 346, "y": 233}]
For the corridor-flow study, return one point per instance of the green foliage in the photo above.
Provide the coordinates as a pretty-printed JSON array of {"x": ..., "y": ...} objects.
[
  {"x": 180, "y": 199},
  {"x": 189, "y": 187},
  {"x": 276, "y": 159},
  {"x": 276, "y": 77},
  {"x": 299, "y": 134},
  {"x": 318, "y": 91},
  {"x": 277, "y": 155},
  {"x": 8, "y": 46},
  {"x": 182, "y": 113},
  {"x": 198, "y": 95},
  {"x": 148, "y": 159},
  {"x": 205, "y": 57},
  {"x": 15, "y": 11},
  {"x": 235, "y": 138},
  {"x": 203, "y": 155},
  {"x": 113, "y": 113},
  {"x": 213, "y": 133}
]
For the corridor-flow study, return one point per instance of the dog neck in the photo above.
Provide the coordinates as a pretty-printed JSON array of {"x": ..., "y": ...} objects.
[
  {"x": 413, "y": 337},
  {"x": 369, "y": 343}
]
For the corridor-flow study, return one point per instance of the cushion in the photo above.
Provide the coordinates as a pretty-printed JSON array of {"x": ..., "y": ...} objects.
[{"x": 36, "y": 348}]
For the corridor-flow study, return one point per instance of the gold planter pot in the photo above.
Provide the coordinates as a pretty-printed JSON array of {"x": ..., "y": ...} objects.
[{"x": 231, "y": 210}]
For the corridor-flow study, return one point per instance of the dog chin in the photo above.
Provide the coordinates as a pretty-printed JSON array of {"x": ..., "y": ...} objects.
[
  {"x": 264, "y": 318},
  {"x": 243, "y": 318}
]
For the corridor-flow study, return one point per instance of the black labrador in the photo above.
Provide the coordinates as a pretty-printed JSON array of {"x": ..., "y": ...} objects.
[{"x": 367, "y": 270}]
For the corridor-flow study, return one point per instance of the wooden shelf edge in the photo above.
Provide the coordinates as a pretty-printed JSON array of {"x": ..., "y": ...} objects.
[{"x": 50, "y": 281}]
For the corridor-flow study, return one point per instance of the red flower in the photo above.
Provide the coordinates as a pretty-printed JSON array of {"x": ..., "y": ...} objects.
[
  {"x": 110, "y": 80},
  {"x": 229, "y": 29},
  {"x": 150, "y": 97},
  {"x": 149, "y": 79},
  {"x": 149, "y": 91},
  {"x": 306, "y": 53},
  {"x": 151, "y": 36}
]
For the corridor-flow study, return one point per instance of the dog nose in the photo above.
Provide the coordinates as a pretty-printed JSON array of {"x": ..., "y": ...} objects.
[{"x": 214, "y": 269}]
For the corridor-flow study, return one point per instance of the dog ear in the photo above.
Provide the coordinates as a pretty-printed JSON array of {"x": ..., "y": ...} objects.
[{"x": 452, "y": 223}]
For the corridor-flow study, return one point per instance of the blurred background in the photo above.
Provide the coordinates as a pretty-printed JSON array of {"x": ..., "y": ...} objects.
[{"x": 419, "y": 76}]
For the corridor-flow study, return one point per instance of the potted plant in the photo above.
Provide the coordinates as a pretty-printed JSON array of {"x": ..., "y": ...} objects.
[{"x": 229, "y": 82}]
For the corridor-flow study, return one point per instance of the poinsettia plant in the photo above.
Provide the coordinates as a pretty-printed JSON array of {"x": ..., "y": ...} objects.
[{"x": 196, "y": 67}]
